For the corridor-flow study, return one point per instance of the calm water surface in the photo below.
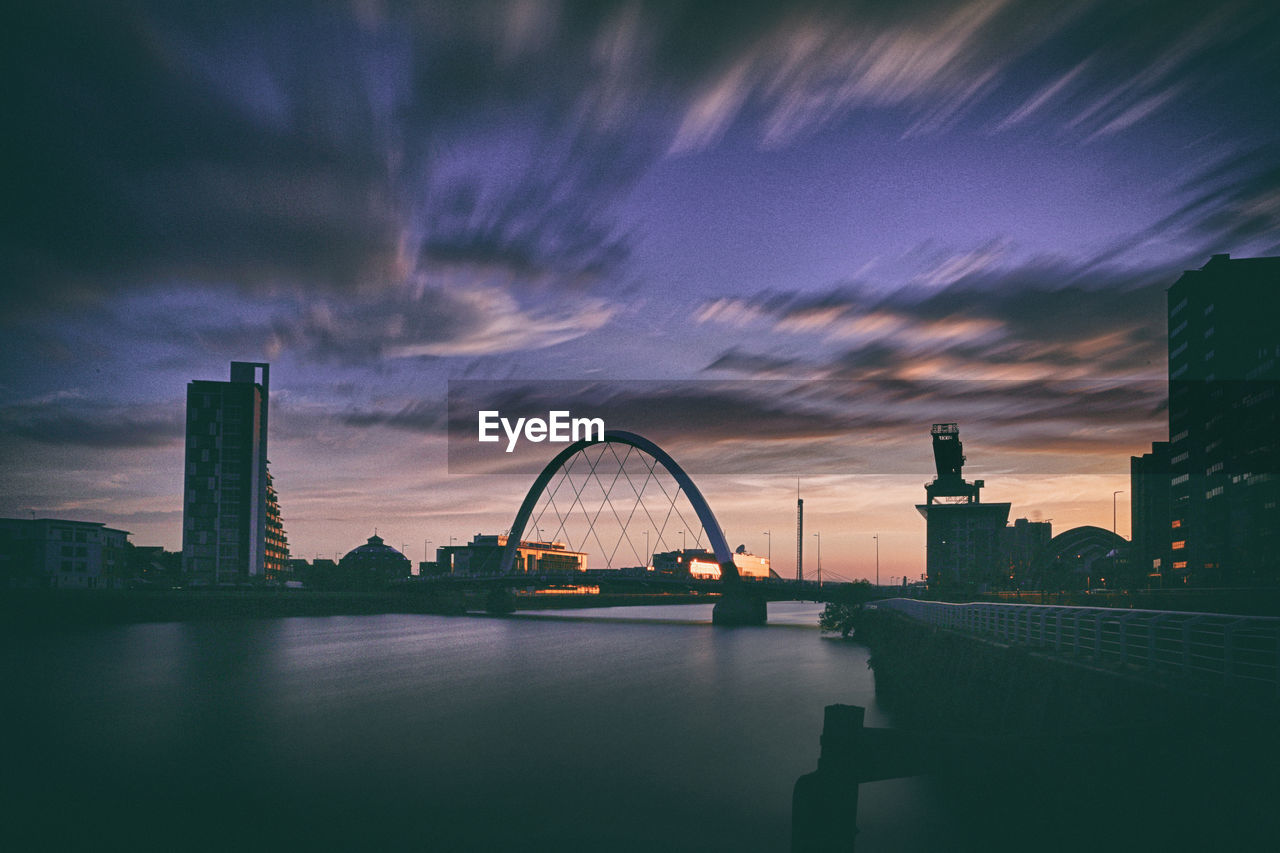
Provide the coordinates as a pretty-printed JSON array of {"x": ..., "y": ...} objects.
[{"x": 626, "y": 729}]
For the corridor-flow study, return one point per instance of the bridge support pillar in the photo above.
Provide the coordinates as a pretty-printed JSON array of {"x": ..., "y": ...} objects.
[{"x": 740, "y": 608}]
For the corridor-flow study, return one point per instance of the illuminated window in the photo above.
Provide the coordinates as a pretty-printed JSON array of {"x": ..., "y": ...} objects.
[
  {"x": 1181, "y": 564},
  {"x": 1177, "y": 522},
  {"x": 1179, "y": 544}
]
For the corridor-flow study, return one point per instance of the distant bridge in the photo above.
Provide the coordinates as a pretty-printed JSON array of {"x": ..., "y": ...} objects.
[
  {"x": 740, "y": 600},
  {"x": 735, "y": 607},
  {"x": 770, "y": 589},
  {"x": 728, "y": 570}
]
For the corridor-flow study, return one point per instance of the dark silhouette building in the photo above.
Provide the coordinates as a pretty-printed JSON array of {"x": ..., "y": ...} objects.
[
  {"x": 152, "y": 565},
  {"x": 1224, "y": 364},
  {"x": 227, "y": 510},
  {"x": 1149, "y": 505},
  {"x": 373, "y": 564},
  {"x": 1023, "y": 547},
  {"x": 963, "y": 534},
  {"x": 1086, "y": 557}
]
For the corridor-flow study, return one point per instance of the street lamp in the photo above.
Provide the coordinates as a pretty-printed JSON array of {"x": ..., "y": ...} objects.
[
  {"x": 769, "y": 533},
  {"x": 1113, "y": 508},
  {"x": 876, "y": 536},
  {"x": 683, "y": 546}
]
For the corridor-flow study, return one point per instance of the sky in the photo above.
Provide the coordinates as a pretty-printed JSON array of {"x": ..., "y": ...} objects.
[{"x": 780, "y": 239}]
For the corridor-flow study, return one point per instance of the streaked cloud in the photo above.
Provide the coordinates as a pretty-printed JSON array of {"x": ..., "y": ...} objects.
[
  {"x": 81, "y": 421},
  {"x": 1049, "y": 318},
  {"x": 379, "y": 197},
  {"x": 1037, "y": 101}
]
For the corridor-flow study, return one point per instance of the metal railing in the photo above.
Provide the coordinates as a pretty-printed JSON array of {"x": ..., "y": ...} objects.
[{"x": 1239, "y": 652}]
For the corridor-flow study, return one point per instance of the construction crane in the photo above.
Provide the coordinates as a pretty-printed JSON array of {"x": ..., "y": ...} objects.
[{"x": 948, "y": 459}]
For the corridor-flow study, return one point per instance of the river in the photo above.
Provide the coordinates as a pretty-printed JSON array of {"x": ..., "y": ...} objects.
[{"x": 612, "y": 729}]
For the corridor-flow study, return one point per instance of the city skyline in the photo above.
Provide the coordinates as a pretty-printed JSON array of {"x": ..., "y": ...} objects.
[{"x": 983, "y": 200}]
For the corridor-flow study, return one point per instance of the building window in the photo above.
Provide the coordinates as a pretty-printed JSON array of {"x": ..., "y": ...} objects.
[
  {"x": 1179, "y": 544},
  {"x": 1177, "y": 522}
]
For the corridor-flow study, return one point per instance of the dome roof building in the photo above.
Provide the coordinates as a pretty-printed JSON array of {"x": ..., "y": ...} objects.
[{"x": 373, "y": 564}]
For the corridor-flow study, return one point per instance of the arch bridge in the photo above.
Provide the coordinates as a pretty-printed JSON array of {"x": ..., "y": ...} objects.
[{"x": 737, "y": 605}]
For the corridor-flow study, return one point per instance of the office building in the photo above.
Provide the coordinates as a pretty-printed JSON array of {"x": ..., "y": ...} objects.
[
  {"x": 61, "y": 554},
  {"x": 1149, "y": 507},
  {"x": 1224, "y": 364},
  {"x": 227, "y": 527}
]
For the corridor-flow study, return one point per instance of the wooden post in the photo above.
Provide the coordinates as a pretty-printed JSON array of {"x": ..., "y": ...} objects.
[{"x": 824, "y": 806}]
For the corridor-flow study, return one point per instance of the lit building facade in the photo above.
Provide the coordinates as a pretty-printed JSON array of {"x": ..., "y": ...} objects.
[
  {"x": 226, "y": 506},
  {"x": 1224, "y": 366},
  {"x": 276, "y": 553},
  {"x": 483, "y": 556},
  {"x": 701, "y": 564}
]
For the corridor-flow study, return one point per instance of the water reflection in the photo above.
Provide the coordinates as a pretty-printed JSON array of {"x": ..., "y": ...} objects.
[{"x": 574, "y": 731}]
